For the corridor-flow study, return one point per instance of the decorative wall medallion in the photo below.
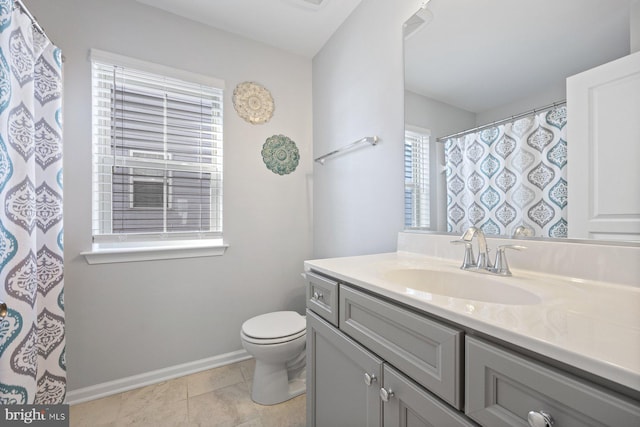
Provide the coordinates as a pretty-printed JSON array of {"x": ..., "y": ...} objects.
[
  {"x": 253, "y": 102},
  {"x": 280, "y": 154}
]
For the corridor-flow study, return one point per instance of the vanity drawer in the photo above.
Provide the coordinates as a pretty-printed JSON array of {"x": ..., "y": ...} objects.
[
  {"x": 427, "y": 351},
  {"x": 322, "y": 297},
  {"x": 502, "y": 387}
]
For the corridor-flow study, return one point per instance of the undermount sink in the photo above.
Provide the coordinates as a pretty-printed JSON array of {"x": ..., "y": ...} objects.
[{"x": 471, "y": 286}]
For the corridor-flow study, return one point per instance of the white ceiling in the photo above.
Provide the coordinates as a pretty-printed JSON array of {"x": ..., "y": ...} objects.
[
  {"x": 482, "y": 54},
  {"x": 292, "y": 25}
]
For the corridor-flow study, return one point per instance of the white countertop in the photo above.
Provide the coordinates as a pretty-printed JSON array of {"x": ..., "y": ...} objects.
[{"x": 591, "y": 325}]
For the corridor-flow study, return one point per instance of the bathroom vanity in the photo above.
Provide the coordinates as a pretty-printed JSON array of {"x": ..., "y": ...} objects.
[{"x": 407, "y": 339}]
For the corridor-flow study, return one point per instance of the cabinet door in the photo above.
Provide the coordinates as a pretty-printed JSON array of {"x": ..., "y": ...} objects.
[
  {"x": 409, "y": 405},
  {"x": 603, "y": 140},
  {"x": 337, "y": 389}
]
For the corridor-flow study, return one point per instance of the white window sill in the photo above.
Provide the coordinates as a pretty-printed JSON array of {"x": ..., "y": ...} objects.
[{"x": 152, "y": 251}]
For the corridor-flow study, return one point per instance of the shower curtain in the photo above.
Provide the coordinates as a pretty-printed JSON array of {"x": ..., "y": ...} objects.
[
  {"x": 32, "y": 338},
  {"x": 510, "y": 175}
]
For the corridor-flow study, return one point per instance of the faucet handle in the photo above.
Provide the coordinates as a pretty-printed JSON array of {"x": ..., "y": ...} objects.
[
  {"x": 514, "y": 247},
  {"x": 469, "y": 260},
  {"x": 523, "y": 231},
  {"x": 501, "y": 266}
]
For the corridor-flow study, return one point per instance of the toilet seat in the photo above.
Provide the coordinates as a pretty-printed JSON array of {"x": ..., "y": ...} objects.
[
  {"x": 274, "y": 328},
  {"x": 270, "y": 341}
]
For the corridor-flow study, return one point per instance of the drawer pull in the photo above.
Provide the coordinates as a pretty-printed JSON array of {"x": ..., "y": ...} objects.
[
  {"x": 369, "y": 378},
  {"x": 318, "y": 296},
  {"x": 539, "y": 419},
  {"x": 385, "y": 394}
]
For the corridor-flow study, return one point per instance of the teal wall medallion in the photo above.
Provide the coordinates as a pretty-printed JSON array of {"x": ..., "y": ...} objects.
[{"x": 280, "y": 154}]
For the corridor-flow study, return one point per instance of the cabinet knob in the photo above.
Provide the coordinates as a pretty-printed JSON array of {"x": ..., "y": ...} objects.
[
  {"x": 318, "y": 295},
  {"x": 539, "y": 419},
  {"x": 3, "y": 310},
  {"x": 370, "y": 378},
  {"x": 385, "y": 394}
]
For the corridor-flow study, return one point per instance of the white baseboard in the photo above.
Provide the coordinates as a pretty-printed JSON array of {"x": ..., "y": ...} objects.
[{"x": 153, "y": 377}]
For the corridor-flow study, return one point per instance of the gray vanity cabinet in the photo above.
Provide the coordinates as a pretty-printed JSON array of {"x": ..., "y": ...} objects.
[
  {"x": 427, "y": 351},
  {"x": 382, "y": 364},
  {"x": 342, "y": 379},
  {"x": 502, "y": 387},
  {"x": 349, "y": 386},
  {"x": 322, "y": 297},
  {"x": 409, "y": 405},
  {"x": 373, "y": 367}
]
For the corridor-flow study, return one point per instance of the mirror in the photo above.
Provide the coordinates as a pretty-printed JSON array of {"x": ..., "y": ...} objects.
[{"x": 470, "y": 63}]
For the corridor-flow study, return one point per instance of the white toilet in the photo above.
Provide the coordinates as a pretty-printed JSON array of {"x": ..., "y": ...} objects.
[{"x": 277, "y": 342}]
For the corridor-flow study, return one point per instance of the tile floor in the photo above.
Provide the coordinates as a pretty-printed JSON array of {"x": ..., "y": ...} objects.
[{"x": 217, "y": 397}]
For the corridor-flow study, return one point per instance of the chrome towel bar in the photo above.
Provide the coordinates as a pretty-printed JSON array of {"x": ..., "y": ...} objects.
[{"x": 373, "y": 140}]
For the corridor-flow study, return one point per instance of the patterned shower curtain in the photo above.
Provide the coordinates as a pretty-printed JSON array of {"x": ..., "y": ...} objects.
[
  {"x": 510, "y": 175},
  {"x": 32, "y": 339}
]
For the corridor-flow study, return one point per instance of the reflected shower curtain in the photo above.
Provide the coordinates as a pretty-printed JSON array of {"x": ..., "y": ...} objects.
[
  {"x": 32, "y": 339},
  {"x": 510, "y": 175}
]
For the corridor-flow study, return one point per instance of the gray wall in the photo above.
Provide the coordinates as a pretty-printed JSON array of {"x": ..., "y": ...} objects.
[
  {"x": 441, "y": 119},
  {"x": 131, "y": 318},
  {"x": 358, "y": 91}
]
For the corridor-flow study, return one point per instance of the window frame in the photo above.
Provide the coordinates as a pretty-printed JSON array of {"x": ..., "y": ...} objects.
[
  {"x": 122, "y": 247},
  {"x": 410, "y": 185},
  {"x": 165, "y": 180}
]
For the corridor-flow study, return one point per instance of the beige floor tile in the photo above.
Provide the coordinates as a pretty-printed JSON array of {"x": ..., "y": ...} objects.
[
  {"x": 170, "y": 414},
  {"x": 247, "y": 367},
  {"x": 214, "y": 398},
  {"x": 153, "y": 397},
  {"x": 214, "y": 379},
  {"x": 253, "y": 423},
  {"x": 291, "y": 413},
  {"x": 230, "y": 406},
  {"x": 100, "y": 412}
]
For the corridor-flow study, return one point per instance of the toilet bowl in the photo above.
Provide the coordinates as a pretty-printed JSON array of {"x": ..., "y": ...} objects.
[{"x": 277, "y": 342}]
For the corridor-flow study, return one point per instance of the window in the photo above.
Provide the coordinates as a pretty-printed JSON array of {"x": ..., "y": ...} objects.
[
  {"x": 416, "y": 180},
  {"x": 157, "y": 152}
]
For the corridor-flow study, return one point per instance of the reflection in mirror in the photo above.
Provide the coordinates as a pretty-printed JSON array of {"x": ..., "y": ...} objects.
[{"x": 485, "y": 113}]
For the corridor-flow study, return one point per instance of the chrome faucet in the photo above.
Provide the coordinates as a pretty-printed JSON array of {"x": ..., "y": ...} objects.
[{"x": 483, "y": 263}]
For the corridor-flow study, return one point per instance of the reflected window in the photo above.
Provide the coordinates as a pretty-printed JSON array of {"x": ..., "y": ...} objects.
[{"x": 417, "y": 209}]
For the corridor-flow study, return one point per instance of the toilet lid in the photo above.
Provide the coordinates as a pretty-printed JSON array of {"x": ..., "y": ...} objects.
[{"x": 274, "y": 325}]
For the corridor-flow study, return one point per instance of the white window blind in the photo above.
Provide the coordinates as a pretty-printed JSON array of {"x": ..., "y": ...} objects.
[
  {"x": 416, "y": 181},
  {"x": 157, "y": 156}
]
